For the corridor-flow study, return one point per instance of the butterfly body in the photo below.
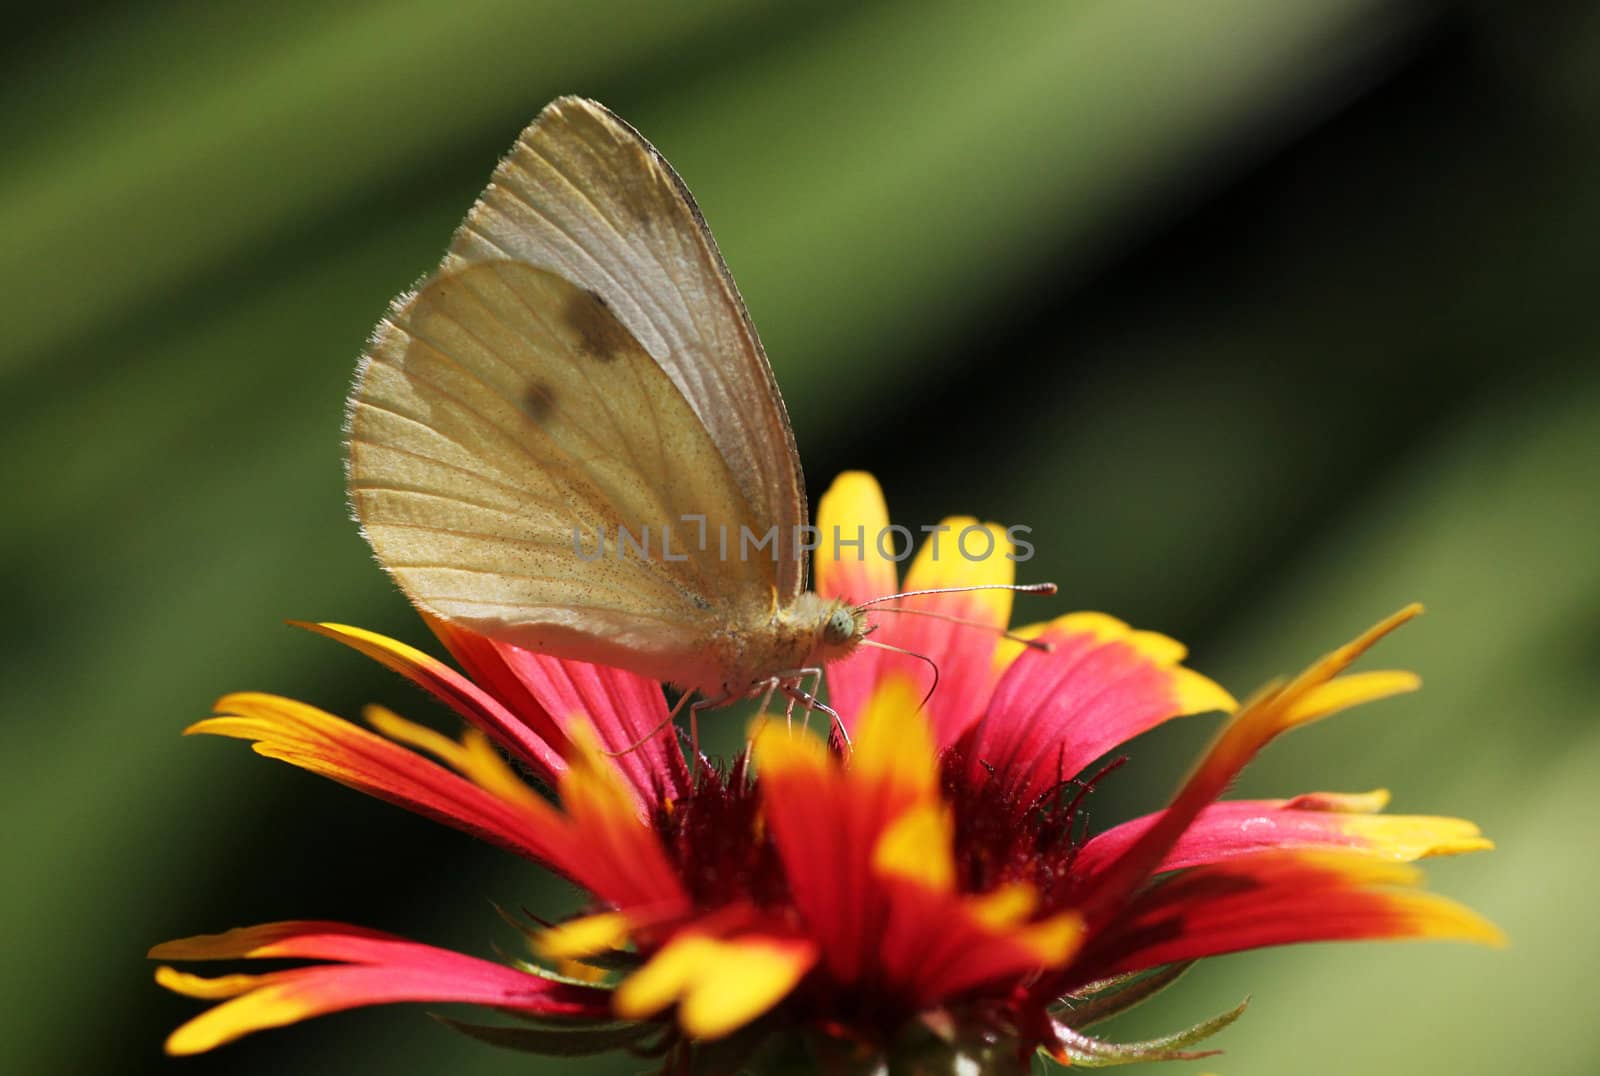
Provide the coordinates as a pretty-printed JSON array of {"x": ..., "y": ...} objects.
[
  {"x": 797, "y": 638},
  {"x": 568, "y": 438}
]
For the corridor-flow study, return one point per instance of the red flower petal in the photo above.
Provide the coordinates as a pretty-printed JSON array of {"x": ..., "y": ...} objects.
[
  {"x": 604, "y": 845},
  {"x": 597, "y": 838},
  {"x": 853, "y": 509},
  {"x": 852, "y": 564},
  {"x": 1100, "y": 685},
  {"x": 1313, "y": 695},
  {"x": 377, "y": 969},
  {"x": 314, "y": 740},
  {"x": 937, "y": 944},
  {"x": 1275, "y": 898},
  {"x": 867, "y": 848},
  {"x": 548, "y": 693},
  {"x": 1244, "y": 827},
  {"x": 474, "y": 704},
  {"x": 718, "y": 983},
  {"x": 826, "y": 819},
  {"x": 962, "y": 631}
]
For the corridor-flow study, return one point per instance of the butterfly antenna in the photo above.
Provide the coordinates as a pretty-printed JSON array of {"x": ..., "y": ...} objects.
[
  {"x": 1015, "y": 588},
  {"x": 1032, "y": 644},
  {"x": 934, "y": 665},
  {"x": 672, "y": 716}
]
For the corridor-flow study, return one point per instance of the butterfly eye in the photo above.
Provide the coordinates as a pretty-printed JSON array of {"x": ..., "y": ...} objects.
[{"x": 841, "y": 627}]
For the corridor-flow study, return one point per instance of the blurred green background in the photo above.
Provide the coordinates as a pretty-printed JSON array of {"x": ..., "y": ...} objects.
[{"x": 1267, "y": 317}]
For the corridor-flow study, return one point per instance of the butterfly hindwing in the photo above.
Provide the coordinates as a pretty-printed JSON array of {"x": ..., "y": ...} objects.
[{"x": 506, "y": 429}]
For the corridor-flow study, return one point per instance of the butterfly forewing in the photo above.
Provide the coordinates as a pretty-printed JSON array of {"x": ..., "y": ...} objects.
[{"x": 583, "y": 195}]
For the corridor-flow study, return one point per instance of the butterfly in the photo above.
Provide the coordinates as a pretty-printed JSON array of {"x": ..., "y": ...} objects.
[{"x": 569, "y": 439}]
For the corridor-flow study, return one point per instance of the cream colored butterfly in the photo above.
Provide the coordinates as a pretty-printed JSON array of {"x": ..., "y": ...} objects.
[{"x": 580, "y": 374}]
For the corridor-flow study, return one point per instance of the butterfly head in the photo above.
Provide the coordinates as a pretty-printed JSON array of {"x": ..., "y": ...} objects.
[
  {"x": 819, "y": 630},
  {"x": 843, "y": 629}
]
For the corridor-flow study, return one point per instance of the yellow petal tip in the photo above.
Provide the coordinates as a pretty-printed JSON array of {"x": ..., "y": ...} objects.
[{"x": 583, "y": 937}]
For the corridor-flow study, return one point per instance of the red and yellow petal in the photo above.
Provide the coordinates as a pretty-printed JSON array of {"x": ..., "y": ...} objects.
[
  {"x": 917, "y": 848},
  {"x": 1101, "y": 684},
  {"x": 603, "y": 844},
  {"x": 472, "y": 756},
  {"x": 850, "y": 566},
  {"x": 1276, "y": 898},
  {"x": 585, "y": 936},
  {"x": 868, "y": 849},
  {"x": 628, "y": 712},
  {"x": 826, "y": 818},
  {"x": 850, "y": 563},
  {"x": 936, "y": 942},
  {"x": 953, "y": 632},
  {"x": 474, "y": 704},
  {"x": 718, "y": 983},
  {"x": 895, "y": 756},
  {"x": 823, "y": 837},
  {"x": 597, "y": 837},
  {"x": 373, "y": 969},
  {"x": 1314, "y": 694},
  {"x": 935, "y": 946},
  {"x": 957, "y": 631},
  {"x": 314, "y": 740},
  {"x": 1322, "y": 820}
]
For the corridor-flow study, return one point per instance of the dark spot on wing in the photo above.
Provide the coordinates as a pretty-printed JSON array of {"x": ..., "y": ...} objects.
[
  {"x": 600, "y": 335},
  {"x": 539, "y": 401}
]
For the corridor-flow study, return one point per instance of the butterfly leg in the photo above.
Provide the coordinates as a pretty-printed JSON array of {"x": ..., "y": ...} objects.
[
  {"x": 793, "y": 690},
  {"x": 814, "y": 672},
  {"x": 694, "y": 730},
  {"x": 792, "y": 683},
  {"x": 765, "y": 689}
]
